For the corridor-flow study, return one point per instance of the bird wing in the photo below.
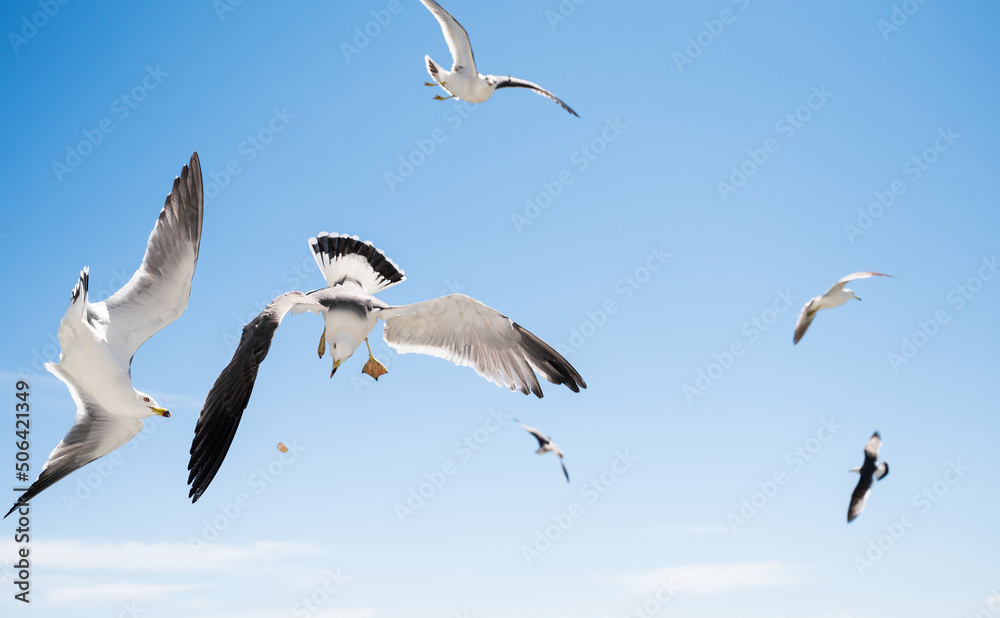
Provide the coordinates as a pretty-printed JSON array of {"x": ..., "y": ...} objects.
[
  {"x": 859, "y": 497},
  {"x": 861, "y": 275},
  {"x": 229, "y": 396},
  {"x": 513, "y": 82},
  {"x": 468, "y": 333},
  {"x": 805, "y": 319},
  {"x": 158, "y": 292},
  {"x": 541, "y": 437},
  {"x": 456, "y": 37},
  {"x": 872, "y": 447},
  {"x": 95, "y": 433}
]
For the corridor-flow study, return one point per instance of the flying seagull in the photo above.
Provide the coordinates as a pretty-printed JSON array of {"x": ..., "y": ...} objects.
[
  {"x": 546, "y": 445},
  {"x": 836, "y": 296},
  {"x": 99, "y": 339},
  {"x": 463, "y": 81},
  {"x": 454, "y": 327},
  {"x": 868, "y": 470}
]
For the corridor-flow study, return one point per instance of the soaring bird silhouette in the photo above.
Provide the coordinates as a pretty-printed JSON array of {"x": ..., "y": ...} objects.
[
  {"x": 546, "y": 445},
  {"x": 868, "y": 471}
]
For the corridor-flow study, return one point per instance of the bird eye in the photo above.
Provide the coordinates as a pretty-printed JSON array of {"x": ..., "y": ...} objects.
[{"x": 146, "y": 399}]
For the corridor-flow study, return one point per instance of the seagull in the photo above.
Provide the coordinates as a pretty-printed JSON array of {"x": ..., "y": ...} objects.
[
  {"x": 836, "y": 296},
  {"x": 453, "y": 327},
  {"x": 546, "y": 445},
  {"x": 98, "y": 339},
  {"x": 867, "y": 471},
  {"x": 463, "y": 81}
]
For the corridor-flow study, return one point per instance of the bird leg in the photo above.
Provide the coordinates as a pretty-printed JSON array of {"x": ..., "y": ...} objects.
[
  {"x": 441, "y": 98},
  {"x": 322, "y": 343},
  {"x": 435, "y": 83},
  {"x": 373, "y": 367}
]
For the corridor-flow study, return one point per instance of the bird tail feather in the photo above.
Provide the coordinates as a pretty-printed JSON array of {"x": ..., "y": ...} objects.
[
  {"x": 433, "y": 68},
  {"x": 346, "y": 258},
  {"x": 78, "y": 300}
]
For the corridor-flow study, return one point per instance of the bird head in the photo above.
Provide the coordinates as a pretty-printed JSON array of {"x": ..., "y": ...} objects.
[
  {"x": 148, "y": 403},
  {"x": 851, "y": 293},
  {"x": 341, "y": 345}
]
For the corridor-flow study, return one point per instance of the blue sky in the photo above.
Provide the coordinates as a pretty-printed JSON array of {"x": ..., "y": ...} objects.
[{"x": 732, "y": 160}]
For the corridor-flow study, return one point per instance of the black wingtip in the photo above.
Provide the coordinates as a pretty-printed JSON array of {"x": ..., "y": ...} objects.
[{"x": 548, "y": 362}]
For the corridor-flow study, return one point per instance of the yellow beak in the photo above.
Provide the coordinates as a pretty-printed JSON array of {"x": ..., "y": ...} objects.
[
  {"x": 161, "y": 411},
  {"x": 336, "y": 363}
]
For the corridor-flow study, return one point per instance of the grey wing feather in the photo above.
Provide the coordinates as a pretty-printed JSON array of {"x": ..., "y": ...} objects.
[
  {"x": 859, "y": 497},
  {"x": 224, "y": 405},
  {"x": 851, "y": 277},
  {"x": 872, "y": 446},
  {"x": 806, "y": 318},
  {"x": 456, "y": 37},
  {"x": 158, "y": 292},
  {"x": 513, "y": 82},
  {"x": 95, "y": 433},
  {"x": 468, "y": 333},
  {"x": 542, "y": 438}
]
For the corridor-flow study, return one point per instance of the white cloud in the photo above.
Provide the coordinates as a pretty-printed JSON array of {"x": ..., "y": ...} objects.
[
  {"x": 68, "y": 554},
  {"x": 103, "y": 593},
  {"x": 688, "y": 529},
  {"x": 363, "y": 612},
  {"x": 85, "y": 573},
  {"x": 714, "y": 578},
  {"x": 222, "y": 612}
]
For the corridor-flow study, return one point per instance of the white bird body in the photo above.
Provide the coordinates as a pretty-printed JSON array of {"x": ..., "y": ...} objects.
[
  {"x": 346, "y": 328},
  {"x": 466, "y": 84},
  {"x": 89, "y": 359},
  {"x": 550, "y": 448},
  {"x": 834, "y": 299},
  {"x": 836, "y": 296}
]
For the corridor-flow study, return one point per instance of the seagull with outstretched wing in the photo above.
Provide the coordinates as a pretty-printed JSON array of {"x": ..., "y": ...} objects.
[
  {"x": 546, "y": 445},
  {"x": 454, "y": 327},
  {"x": 869, "y": 472},
  {"x": 463, "y": 81},
  {"x": 98, "y": 339},
  {"x": 836, "y": 296}
]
